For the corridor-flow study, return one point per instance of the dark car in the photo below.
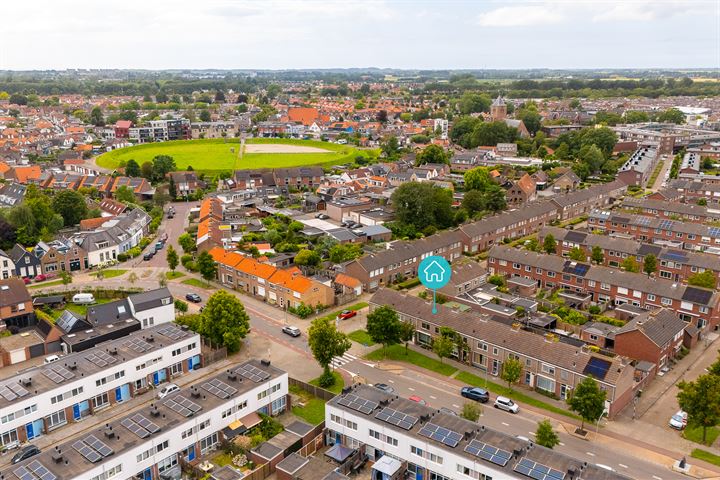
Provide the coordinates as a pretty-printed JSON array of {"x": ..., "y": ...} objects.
[
  {"x": 193, "y": 297},
  {"x": 25, "y": 453},
  {"x": 475, "y": 393},
  {"x": 384, "y": 387},
  {"x": 148, "y": 256}
]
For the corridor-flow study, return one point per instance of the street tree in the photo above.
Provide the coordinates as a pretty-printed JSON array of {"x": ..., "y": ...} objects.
[
  {"x": 471, "y": 411},
  {"x": 704, "y": 279},
  {"x": 186, "y": 242},
  {"x": 326, "y": 342},
  {"x": 588, "y": 401},
  {"x": 71, "y": 206},
  {"x": 576, "y": 254},
  {"x": 650, "y": 264},
  {"x": 597, "y": 255},
  {"x": 549, "y": 244},
  {"x": 172, "y": 258},
  {"x": 384, "y": 326},
  {"x": 511, "y": 371},
  {"x": 443, "y": 347},
  {"x": 206, "y": 266},
  {"x": 407, "y": 333},
  {"x": 545, "y": 435},
  {"x": 701, "y": 400},
  {"x": 225, "y": 320}
]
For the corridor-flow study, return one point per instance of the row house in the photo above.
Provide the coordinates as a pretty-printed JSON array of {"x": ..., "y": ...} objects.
[
  {"x": 695, "y": 305},
  {"x": 61, "y": 255},
  {"x": 550, "y": 366},
  {"x": 671, "y": 210},
  {"x": 16, "y": 306},
  {"x": 27, "y": 263},
  {"x": 654, "y": 336},
  {"x": 582, "y": 202},
  {"x": 521, "y": 191},
  {"x": 670, "y": 233},
  {"x": 401, "y": 259},
  {"x": 700, "y": 177},
  {"x": 673, "y": 264},
  {"x": 85, "y": 383},
  {"x": 710, "y": 149},
  {"x": 691, "y": 163},
  {"x": 691, "y": 191},
  {"x": 285, "y": 288},
  {"x": 159, "y": 439}
]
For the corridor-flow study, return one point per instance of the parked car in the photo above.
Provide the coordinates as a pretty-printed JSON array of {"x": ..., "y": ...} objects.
[
  {"x": 447, "y": 411},
  {"x": 417, "y": 399},
  {"x": 149, "y": 255},
  {"x": 679, "y": 420},
  {"x": 51, "y": 359},
  {"x": 193, "y": 297},
  {"x": 26, "y": 280},
  {"x": 167, "y": 390},
  {"x": 345, "y": 314},
  {"x": 504, "y": 403},
  {"x": 292, "y": 331},
  {"x": 159, "y": 245},
  {"x": 40, "y": 278},
  {"x": 384, "y": 387},
  {"x": 475, "y": 393},
  {"x": 25, "y": 453}
]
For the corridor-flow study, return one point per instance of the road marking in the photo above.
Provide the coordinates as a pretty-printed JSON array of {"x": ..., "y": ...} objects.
[
  {"x": 456, "y": 406},
  {"x": 656, "y": 477},
  {"x": 391, "y": 381},
  {"x": 621, "y": 465},
  {"x": 433, "y": 397},
  {"x": 561, "y": 444},
  {"x": 590, "y": 453},
  {"x": 411, "y": 389},
  {"x": 506, "y": 424}
]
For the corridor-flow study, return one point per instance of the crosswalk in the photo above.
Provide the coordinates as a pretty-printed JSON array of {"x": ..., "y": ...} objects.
[{"x": 338, "y": 362}]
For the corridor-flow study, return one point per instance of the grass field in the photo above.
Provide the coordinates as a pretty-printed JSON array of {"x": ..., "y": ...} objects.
[
  {"x": 194, "y": 282},
  {"x": 220, "y": 154},
  {"x": 110, "y": 273},
  {"x": 173, "y": 275},
  {"x": 706, "y": 456},
  {"x": 361, "y": 337},
  {"x": 337, "y": 386},
  {"x": 694, "y": 434}
]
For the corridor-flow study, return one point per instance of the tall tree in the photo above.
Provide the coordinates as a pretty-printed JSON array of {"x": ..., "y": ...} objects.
[
  {"x": 326, "y": 342},
  {"x": 407, "y": 333},
  {"x": 172, "y": 258},
  {"x": 432, "y": 154},
  {"x": 96, "y": 117},
  {"x": 443, "y": 346},
  {"x": 597, "y": 255},
  {"x": 225, "y": 320},
  {"x": 494, "y": 198},
  {"x": 588, "y": 401},
  {"x": 207, "y": 266},
  {"x": 705, "y": 279},
  {"x": 423, "y": 204},
  {"x": 545, "y": 435},
  {"x": 549, "y": 244},
  {"x": 186, "y": 242},
  {"x": 132, "y": 169},
  {"x": 125, "y": 194},
  {"x": 307, "y": 258},
  {"x": 701, "y": 400},
  {"x": 650, "y": 264},
  {"x": 71, "y": 206},
  {"x": 576, "y": 254},
  {"x": 511, "y": 371},
  {"x": 630, "y": 265},
  {"x": 161, "y": 166},
  {"x": 384, "y": 326},
  {"x": 146, "y": 170},
  {"x": 477, "y": 178}
]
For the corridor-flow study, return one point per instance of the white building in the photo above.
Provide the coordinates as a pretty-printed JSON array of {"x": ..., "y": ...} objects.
[{"x": 442, "y": 124}]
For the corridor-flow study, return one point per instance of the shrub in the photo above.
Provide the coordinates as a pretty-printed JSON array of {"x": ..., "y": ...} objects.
[
  {"x": 594, "y": 309},
  {"x": 181, "y": 306},
  {"x": 134, "y": 252},
  {"x": 498, "y": 280},
  {"x": 327, "y": 379},
  {"x": 144, "y": 242},
  {"x": 302, "y": 310},
  {"x": 122, "y": 257}
]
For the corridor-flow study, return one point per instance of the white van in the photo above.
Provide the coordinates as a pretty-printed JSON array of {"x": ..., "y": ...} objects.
[
  {"x": 83, "y": 298},
  {"x": 51, "y": 359}
]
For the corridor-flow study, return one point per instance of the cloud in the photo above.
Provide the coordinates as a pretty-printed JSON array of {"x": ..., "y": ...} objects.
[{"x": 520, "y": 16}]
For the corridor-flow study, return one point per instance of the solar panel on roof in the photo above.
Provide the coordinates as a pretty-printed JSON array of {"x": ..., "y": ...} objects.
[
  {"x": 219, "y": 388},
  {"x": 146, "y": 423},
  {"x": 358, "y": 404},
  {"x": 440, "y": 434},
  {"x": 7, "y": 394},
  {"x": 714, "y": 231},
  {"x": 488, "y": 452},
  {"x": 137, "y": 345},
  {"x": 172, "y": 332},
  {"x": 63, "y": 372},
  {"x": 675, "y": 256},
  {"x": 183, "y": 406},
  {"x": 697, "y": 295},
  {"x": 39, "y": 470},
  {"x": 666, "y": 224},
  {"x": 66, "y": 321},
  {"x": 88, "y": 453},
  {"x": 135, "y": 428},
  {"x": 251, "y": 372},
  {"x": 597, "y": 367},
  {"x": 538, "y": 471},
  {"x": 18, "y": 389},
  {"x": 52, "y": 375},
  {"x": 99, "y": 446},
  {"x": 23, "y": 474},
  {"x": 100, "y": 358},
  {"x": 643, "y": 221},
  {"x": 394, "y": 417}
]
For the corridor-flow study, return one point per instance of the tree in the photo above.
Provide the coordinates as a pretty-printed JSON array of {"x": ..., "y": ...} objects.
[
  {"x": 172, "y": 189},
  {"x": 326, "y": 342},
  {"x": 474, "y": 201},
  {"x": 18, "y": 99},
  {"x": 66, "y": 278},
  {"x": 545, "y": 435},
  {"x": 219, "y": 96},
  {"x": 630, "y": 265},
  {"x": 443, "y": 346},
  {"x": 549, "y": 244},
  {"x": 172, "y": 258},
  {"x": 477, "y": 178},
  {"x": 71, "y": 206},
  {"x": 132, "y": 278},
  {"x": 207, "y": 266},
  {"x": 146, "y": 170},
  {"x": 96, "y": 117},
  {"x": 161, "y": 97},
  {"x": 341, "y": 253},
  {"x": 474, "y": 103},
  {"x": 307, "y": 258},
  {"x": 384, "y": 326},
  {"x": 407, "y": 333},
  {"x": 701, "y": 400},
  {"x": 576, "y": 254},
  {"x": 471, "y": 411},
  {"x": 705, "y": 279},
  {"x": 186, "y": 242},
  {"x": 671, "y": 115},
  {"x": 495, "y": 199},
  {"x": 390, "y": 147},
  {"x": 650, "y": 264},
  {"x": 132, "y": 169},
  {"x": 125, "y": 194},
  {"x": 511, "y": 371},
  {"x": 592, "y": 156},
  {"x": 597, "y": 255},
  {"x": 382, "y": 116},
  {"x": 423, "y": 204},
  {"x": 7, "y": 235},
  {"x": 588, "y": 401},
  {"x": 225, "y": 321},
  {"x": 161, "y": 166},
  {"x": 432, "y": 154},
  {"x": 531, "y": 118}
]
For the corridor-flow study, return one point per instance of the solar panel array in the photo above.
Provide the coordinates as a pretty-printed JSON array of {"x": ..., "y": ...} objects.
[
  {"x": 12, "y": 391},
  {"x": 58, "y": 374},
  {"x": 172, "y": 332},
  {"x": 219, "y": 388},
  {"x": 487, "y": 452},
  {"x": 92, "y": 449},
  {"x": 183, "y": 406},
  {"x": 137, "y": 345},
  {"x": 399, "y": 419},
  {"x": 140, "y": 425},
  {"x": 67, "y": 321},
  {"x": 666, "y": 224},
  {"x": 251, "y": 372},
  {"x": 101, "y": 358},
  {"x": 714, "y": 231},
  {"x": 675, "y": 256},
  {"x": 34, "y": 471},
  {"x": 643, "y": 221},
  {"x": 597, "y": 367},
  {"x": 358, "y": 404},
  {"x": 538, "y": 471},
  {"x": 441, "y": 434}
]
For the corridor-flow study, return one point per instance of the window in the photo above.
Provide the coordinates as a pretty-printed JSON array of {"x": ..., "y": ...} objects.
[
  {"x": 549, "y": 369},
  {"x": 167, "y": 463},
  {"x": 9, "y": 437},
  {"x": 108, "y": 473},
  {"x": 666, "y": 301},
  {"x": 110, "y": 378},
  {"x": 544, "y": 383},
  {"x": 56, "y": 419},
  {"x": 425, "y": 326},
  {"x": 100, "y": 401},
  {"x": 207, "y": 443},
  {"x": 176, "y": 369}
]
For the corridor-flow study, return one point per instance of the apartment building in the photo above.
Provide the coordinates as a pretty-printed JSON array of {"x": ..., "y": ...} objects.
[
  {"x": 695, "y": 305},
  {"x": 550, "y": 366},
  {"x": 161, "y": 131},
  {"x": 638, "y": 169},
  {"x": 673, "y": 264},
  {"x": 418, "y": 441},
  {"x": 684, "y": 212},
  {"x": 669, "y": 233},
  {"x": 151, "y": 443},
  {"x": 691, "y": 163},
  {"x": 47, "y": 397}
]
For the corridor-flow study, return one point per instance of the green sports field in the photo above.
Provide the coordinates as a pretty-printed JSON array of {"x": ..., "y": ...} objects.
[{"x": 220, "y": 154}]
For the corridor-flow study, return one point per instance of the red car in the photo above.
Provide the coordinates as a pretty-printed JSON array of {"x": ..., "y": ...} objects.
[
  {"x": 345, "y": 314},
  {"x": 417, "y": 399},
  {"x": 40, "y": 278},
  {"x": 26, "y": 280}
]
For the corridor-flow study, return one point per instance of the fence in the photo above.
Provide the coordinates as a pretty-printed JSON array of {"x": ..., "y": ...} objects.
[
  {"x": 212, "y": 353},
  {"x": 319, "y": 392}
]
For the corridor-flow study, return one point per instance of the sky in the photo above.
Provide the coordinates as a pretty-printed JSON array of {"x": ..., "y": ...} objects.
[{"x": 411, "y": 34}]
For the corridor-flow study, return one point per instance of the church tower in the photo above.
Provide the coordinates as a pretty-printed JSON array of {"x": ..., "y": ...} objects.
[{"x": 498, "y": 110}]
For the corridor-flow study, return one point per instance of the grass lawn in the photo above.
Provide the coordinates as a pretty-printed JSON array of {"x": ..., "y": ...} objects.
[
  {"x": 706, "y": 456},
  {"x": 45, "y": 284},
  {"x": 694, "y": 434},
  {"x": 110, "y": 273},
  {"x": 397, "y": 353},
  {"x": 221, "y": 154},
  {"x": 356, "y": 306},
  {"x": 222, "y": 459},
  {"x": 337, "y": 386},
  {"x": 194, "y": 282},
  {"x": 314, "y": 410},
  {"x": 361, "y": 337},
  {"x": 173, "y": 275}
]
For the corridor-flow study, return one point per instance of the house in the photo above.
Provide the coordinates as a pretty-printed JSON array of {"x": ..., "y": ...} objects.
[
  {"x": 507, "y": 149},
  {"x": 186, "y": 183},
  {"x": 671, "y": 210},
  {"x": 567, "y": 182},
  {"x": 61, "y": 255},
  {"x": 24, "y": 174},
  {"x": 122, "y": 128},
  {"x": 466, "y": 276},
  {"x": 7, "y": 266},
  {"x": 16, "y": 307},
  {"x": 541, "y": 179},
  {"x": 654, "y": 336},
  {"x": 638, "y": 169},
  {"x": 521, "y": 192},
  {"x": 11, "y": 194},
  {"x": 112, "y": 208},
  {"x": 27, "y": 264}
]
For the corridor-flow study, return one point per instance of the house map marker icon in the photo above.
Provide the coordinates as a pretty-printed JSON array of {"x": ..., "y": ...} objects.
[{"x": 434, "y": 273}]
